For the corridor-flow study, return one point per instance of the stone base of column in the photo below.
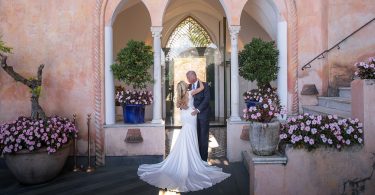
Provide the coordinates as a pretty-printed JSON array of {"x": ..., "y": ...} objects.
[
  {"x": 157, "y": 121},
  {"x": 235, "y": 118}
]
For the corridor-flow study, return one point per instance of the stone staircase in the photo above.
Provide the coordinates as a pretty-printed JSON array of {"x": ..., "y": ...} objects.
[{"x": 340, "y": 106}]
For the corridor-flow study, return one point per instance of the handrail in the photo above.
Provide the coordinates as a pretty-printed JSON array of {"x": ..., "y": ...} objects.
[{"x": 337, "y": 45}]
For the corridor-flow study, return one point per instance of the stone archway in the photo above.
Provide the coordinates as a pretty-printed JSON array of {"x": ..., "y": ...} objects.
[
  {"x": 102, "y": 9},
  {"x": 278, "y": 19}
]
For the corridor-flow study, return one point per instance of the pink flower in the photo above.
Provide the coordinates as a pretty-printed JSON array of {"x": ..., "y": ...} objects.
[{"x": 307, "y": 128}]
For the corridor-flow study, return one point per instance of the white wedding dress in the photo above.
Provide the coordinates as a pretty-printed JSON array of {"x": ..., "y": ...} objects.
[{"x": 183, "y": 170}]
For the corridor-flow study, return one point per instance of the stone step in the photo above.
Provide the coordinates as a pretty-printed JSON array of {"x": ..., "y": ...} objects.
[
  {"x": 321, "y": 110},
  {"x": 345, "y": 92},
  {"x": 337, "y": 103}
]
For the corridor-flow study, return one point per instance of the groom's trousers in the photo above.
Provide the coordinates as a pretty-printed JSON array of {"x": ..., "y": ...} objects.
[{"x": 202, "y": 131}]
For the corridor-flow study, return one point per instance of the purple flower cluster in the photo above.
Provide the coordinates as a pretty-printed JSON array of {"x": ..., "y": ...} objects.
[
  {"x": 265, "y": 111},
  {"x": 366, "y": 70},
  {"x": 262, "y": 93},
  {"x": 25, "y": 133},
  {"x": 118, "y": 89},
  {"x": 134, "y": 97},
  {"x": 312, "y": 131}
]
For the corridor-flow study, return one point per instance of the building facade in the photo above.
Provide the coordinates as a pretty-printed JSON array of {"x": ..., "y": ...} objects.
[{"x": 78, "y": 41}]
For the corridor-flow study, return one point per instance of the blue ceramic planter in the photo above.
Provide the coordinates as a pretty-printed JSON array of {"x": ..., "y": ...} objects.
[{"x": 134, "y": 113}]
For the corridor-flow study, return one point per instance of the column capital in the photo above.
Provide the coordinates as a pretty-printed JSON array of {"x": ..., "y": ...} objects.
[
  {"x": 156, "y": 31},
  {"x": 234, "y": 30}
]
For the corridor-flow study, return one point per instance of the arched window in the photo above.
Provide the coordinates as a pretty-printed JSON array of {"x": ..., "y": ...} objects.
[{"x": 188, "y": 34}]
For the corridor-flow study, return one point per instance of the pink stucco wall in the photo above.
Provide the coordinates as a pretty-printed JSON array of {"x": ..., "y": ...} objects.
[
  {"x": 321, "y": 25},
  {"x": 60, "y": 36},
  {"x": 153, "y": 140},
  {"x": 322, "y": 171},
  {"x": 357, "y": 48},
  {"x": 312, "y": 39}
]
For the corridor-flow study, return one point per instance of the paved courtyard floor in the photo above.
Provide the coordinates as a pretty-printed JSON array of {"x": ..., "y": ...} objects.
[
  {"x": 124, "y": 179},
  {"x": 119, "y": 180}
]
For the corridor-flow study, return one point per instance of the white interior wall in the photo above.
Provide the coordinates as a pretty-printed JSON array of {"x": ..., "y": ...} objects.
[
  {"x": 133, "y": 23},
  {"x": 264, "y": 12}
]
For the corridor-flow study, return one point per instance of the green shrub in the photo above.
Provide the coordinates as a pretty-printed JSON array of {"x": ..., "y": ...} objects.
[
  {"x": 258, "y": 62},
  {"x": 133, "y": 63}
]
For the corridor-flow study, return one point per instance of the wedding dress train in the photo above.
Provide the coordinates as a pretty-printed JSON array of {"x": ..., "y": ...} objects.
[{"x": 183, "y": 170}]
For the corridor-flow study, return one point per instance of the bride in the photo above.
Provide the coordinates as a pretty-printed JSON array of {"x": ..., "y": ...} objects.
[{"x": 183, "y": 170}]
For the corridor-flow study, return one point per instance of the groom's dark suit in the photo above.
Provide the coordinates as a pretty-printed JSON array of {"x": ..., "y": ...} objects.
[{"x": 201, "y": 102}]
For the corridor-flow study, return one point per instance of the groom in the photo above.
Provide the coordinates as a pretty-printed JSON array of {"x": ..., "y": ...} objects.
[{"x": 202, "y": 110}]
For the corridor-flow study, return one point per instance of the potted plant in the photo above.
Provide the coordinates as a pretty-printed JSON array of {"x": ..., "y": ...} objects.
[
  {"x": 35, "y": 148},
  {"x": 132, "y": 67},
  {"x": 134, "y": 105},
  {"x": 264, "y": 126},
  {"x": 258, "y": 62}
]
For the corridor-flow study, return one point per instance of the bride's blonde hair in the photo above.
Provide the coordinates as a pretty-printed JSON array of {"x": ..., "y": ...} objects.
[{"x": 181, "y": 91}]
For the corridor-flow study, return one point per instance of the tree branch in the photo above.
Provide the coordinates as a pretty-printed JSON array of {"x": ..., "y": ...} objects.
[
  {"x": 40, "y": 71},
  {"x": 12, "y": 73}
]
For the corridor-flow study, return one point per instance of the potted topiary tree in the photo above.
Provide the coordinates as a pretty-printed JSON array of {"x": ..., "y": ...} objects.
[
  {"x": 132, "y": 67},
  {"x": 35, "y": 148},
  {"x": 258, "y": 62}
]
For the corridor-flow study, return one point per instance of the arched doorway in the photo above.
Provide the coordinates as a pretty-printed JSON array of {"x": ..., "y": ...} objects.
[{"x": 189, "y": 47}]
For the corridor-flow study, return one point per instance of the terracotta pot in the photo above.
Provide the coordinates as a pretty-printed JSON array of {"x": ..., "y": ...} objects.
[
  {"x": 37, "y": 166},
  {"x": 264, "y": 137},
  {"x": 118, "y": 111}
]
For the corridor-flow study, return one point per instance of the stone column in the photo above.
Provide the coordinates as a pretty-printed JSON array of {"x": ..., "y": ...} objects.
[
  {"x": 282, "y": 76},
  {"x": 235, "y": 94},
  {"x": 109, "y": 84},
  {"x": 157, "y": 111}
]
